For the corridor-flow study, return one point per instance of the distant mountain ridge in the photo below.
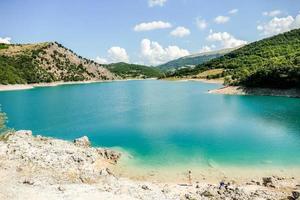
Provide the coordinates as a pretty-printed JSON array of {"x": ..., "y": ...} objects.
[
  {"x": 194, "y": 59},
  {"x": 47, "y": 62},
  {"x": 125, "y": 70}
]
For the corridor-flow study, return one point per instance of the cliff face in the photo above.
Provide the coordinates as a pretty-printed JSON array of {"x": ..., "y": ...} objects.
[{"x": 47, "y": 62}]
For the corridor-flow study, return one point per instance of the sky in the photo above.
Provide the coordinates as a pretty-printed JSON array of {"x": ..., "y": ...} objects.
[{"x": 148, "y": 32}]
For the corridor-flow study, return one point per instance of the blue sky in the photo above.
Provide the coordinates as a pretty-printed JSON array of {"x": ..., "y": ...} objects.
[{"x": 105, "y": 29}]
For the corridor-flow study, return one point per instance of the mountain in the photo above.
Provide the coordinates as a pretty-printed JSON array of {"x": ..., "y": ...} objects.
[
  {"x": 46, "y": 62},
  {"x": 125, "y": 70},
  {"x": 193, "y": 59},
  {"x": 272, "y": 62}
]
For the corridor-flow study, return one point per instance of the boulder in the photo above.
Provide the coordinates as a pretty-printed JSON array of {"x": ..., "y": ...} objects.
[
  {"x": 207, "y": 194},
  {"x": 296, "y": 194},
  {"x": 61, "y": 188},
  {"x": 267, "y": 181},
  {"x": 109, "y": 154},
  {"x": 28, "y": 182},
  {"x": 83, "y": 141},
  {"x": 145, "y": 187},
  {"x": 188, "y": 197}
]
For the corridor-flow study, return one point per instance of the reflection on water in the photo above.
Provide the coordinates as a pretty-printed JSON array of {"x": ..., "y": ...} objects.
[{"x": 162, "y": 122}]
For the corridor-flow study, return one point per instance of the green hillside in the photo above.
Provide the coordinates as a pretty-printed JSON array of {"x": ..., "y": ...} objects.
[
  {"x": 125, "y": 70},
  {"x": 272, "y": 62},
  {"x": 194, "y": 59},
  {"x": 46, "y": 62}
]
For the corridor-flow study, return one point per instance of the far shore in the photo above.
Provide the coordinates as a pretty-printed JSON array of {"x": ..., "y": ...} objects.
[
  {"x": 34, "y": 85},
  {"x": 227, "y": 90},
  {"x": 11, "y": 87},
  {"x": 215, "y": 81},
  {"x": 239, "y": 90}
]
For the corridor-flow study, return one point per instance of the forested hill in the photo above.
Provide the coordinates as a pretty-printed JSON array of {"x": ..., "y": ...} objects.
[
  {"x": 194, "y": 59},
  {"x": 46, "y": 62},
  {"x": 125, "y": 70},
  {"x": 272, "y": 62}
]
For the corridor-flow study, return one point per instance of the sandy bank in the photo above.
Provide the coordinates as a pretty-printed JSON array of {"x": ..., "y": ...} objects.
[
  {"x": 36, "y": 167},
  {"x": 53, "y": 84},
  {"x": 15, "y": 87},
  {"x": 238, "y": 90}
]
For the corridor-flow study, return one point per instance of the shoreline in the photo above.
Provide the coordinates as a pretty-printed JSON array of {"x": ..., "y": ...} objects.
[
  {"x": 13, "y": 87},
  {"x": 40, "y": 167},
  {"x": 239, "y": 90},
  {"x": 211, "y": 173},
  {"x": 213, "y": 81},
  {"x": 203, "y": 174},
  {"x": 37, "y": 85},
  {"x": 225, "y": 90}
]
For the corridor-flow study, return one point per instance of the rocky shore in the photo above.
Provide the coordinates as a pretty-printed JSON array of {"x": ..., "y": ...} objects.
[
  {"x": 239, "y": 90},
  {"x": 36, "y": 167}
]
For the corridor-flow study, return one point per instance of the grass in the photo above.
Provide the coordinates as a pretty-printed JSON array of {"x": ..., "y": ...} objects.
[{"x": 210, "y": 72}]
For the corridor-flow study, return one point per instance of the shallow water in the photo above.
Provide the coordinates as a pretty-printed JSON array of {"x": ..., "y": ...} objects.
[{"x": 164, "y": 123}]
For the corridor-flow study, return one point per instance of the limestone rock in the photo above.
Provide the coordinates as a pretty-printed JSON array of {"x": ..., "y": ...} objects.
[
  {"x": 83, "y": 141},
  {"x": 24, "y": 132}
]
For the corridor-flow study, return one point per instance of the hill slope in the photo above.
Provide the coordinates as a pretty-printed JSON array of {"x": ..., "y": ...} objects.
[
  {"x": 272, "y": 62},
  {"x": 46, "y": 62},
  {"x": 125, "y": 70},
  {"x": 194, "y": 59}
]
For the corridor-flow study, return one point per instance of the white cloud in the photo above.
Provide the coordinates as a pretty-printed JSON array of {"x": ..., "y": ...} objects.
[
  {"x": 225, "y": 39},
  {"x": 152, "y": 26},
  {"x": 272, "y": 13},
  {"x": 180, "y": 31},
  {"x": 114, "y": 55},
  {"x": 279, "y": 25},
  {"x": 233, "y": 11},
  {"x": 207, "y": 48},
  {"x": 118, "y": 54},
  {"x": 153, "y": 3},
  {"x": 221, "y": 19},
  {"x": 201, "y": 23},
  {"x": 101, "y": 60},
  {"x": 5, "y": 40},
  {"x": 155, "y": 54}
]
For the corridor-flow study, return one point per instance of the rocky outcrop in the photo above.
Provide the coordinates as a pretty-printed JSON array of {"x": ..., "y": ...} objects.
[
  {"x": 83, "y": 141},
  {"x": 76, "y": 161}
]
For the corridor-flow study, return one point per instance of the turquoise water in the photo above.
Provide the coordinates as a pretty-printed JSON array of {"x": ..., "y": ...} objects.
[{"x": 163, "y": 123}]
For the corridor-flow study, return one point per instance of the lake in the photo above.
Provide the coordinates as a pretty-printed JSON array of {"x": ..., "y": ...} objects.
[{"x": 164, "y": 123}]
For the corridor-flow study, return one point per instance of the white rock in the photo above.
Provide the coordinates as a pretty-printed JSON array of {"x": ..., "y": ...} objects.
[
  {"x": 83, "y": 141},
  {"x": 24, "y": 132}
]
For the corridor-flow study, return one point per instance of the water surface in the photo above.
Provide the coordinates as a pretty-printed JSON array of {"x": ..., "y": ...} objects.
[{"x": 164, "y": 123}]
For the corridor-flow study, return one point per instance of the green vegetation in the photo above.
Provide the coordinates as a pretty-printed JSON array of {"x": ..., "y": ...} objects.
[
  {"x": 194, "y": 59},
  {"x": 3, "y": 46},
  {"x": 3, "y": 128},
  {"x": 2, "y": 120},
  {"x": 43, "y": 62},
  {"x": 273, "y": 62},
  {"x": 126, "y": 70},
  {"x": 21, "y": 69}
]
